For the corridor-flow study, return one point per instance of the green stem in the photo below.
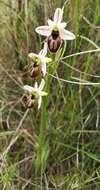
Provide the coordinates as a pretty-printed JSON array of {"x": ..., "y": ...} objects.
[
  {"x": 43, "y": 145},
  {"x": 42, "y": 152},
  {"x": 43, "y": 114}
]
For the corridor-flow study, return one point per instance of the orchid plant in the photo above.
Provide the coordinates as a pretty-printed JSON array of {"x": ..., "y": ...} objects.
[{"x": 55, "y": 33}]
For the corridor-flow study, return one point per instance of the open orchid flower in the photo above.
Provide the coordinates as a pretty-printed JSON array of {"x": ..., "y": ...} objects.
[
  {"x": 39, "y": 62},
  {"x": 35, "y": 94},
  {"x": 55, "y": 31}
]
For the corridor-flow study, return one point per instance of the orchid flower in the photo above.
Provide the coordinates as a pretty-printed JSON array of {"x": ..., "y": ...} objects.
[
  {"x": 55, "y": 31},
  {"x": 36, "y": 92},
  {"x": 40, "y": 59}
]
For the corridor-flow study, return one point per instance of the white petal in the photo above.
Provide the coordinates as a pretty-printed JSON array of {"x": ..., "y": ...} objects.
[
  {"x": 28, "y": 88},
  {"x": 43, "y": 30},
  {"x": 45, "y": 49},
  {"x": 42, "y": 93},
  {"x": 51, "y": 23},
  {"x": 58, "y": 15},
  {"x": 66, "y": 35},
  {"x": 40, "y": 53},
  {"x": 41, "y": 86},
  {"x": 62, "y": 24},
  {"x": 47, "y": 60},
  {"x": 36, "y": 85},
  {"x": 39, "y": 102},
  {"x": 32, "y": 55},
  {"x": 44, "y": 68}
]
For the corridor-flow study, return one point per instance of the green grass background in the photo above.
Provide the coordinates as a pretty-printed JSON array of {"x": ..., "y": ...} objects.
[{"x": 72, "y": 157}]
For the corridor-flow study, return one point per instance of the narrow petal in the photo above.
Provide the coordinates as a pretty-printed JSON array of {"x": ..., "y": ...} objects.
[
  {"x": 42, "y": 93},
  {"x": 40, "y": 53},
  {"x": 47, "y": 60},
  {"x": 66, "y": 35},
  {"x": 28, "y": 88},
  {"x": 36, "y": 85},
  {"x": 44, "y": 69},
  {"x": 58, "y": 15},
  {"x": 51, "y": 23},
  {"x": 32, "y": 55},
  {"x": 41, "y": 86},
  {"x": 62, "y": 24},
  {"x": 45, "y": 49},
  {"x": 39, "y": 102},
  {"x": 43, "y": 30}
]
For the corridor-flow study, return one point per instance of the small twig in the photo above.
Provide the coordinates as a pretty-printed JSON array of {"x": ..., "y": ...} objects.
[
  {"x": 98, "y": 107},
  {"x": 81, "y": 72},
  {"x": 89, "y": 23},
  {"x": 8, "y": 117},
  {"x": 46, "y": 182},
  {"x": 75, "y": 82},
  {"x": 80, "y": 53},
  {"x": 17, "y": 134},
  {"x": 5, "y": 71}
]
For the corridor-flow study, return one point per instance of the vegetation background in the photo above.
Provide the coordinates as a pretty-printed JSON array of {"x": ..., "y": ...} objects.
[{"x": 72, "y": 160}]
